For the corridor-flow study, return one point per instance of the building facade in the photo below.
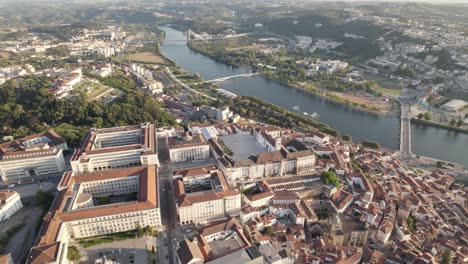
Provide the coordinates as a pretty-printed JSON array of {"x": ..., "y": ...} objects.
[
  {"x": 10, "y": 203},
  {"x": 32, "y": 156},
  {"x": 118, "y": 147},
  {"x": 188, "y": 147},
  {"x": 77, "y": 212},
  {"x": 202, "y": 195}
]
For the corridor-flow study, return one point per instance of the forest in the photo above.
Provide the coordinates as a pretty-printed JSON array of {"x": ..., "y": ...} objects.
[{"x": 27, "y": 106}]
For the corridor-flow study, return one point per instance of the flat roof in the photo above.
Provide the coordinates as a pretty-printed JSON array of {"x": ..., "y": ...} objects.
[
  {"x": 148, "y": 132},
  {"x": 243, "y": 145}
]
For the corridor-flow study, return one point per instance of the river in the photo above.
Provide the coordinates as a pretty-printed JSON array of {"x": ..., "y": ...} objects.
[{"x": 426, "y": 141}]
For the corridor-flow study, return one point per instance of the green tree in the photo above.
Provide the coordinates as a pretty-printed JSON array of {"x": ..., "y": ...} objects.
[
  {"x": 346, "y": 137},
  {"x": 268, "y": 230},
  {"x": 73, "y": 254},
  {"x": 459, "y": 123},
  {"x": 411, "y": 223},
  {"x": 44, "y": 198},
  {"x": 427, "y": 116},
  {"x": 330, "y": 177},
  {"x": 420, "y": 115},
  {"x": 446, "y": 257},
  {"x": 104, "y": 200}
]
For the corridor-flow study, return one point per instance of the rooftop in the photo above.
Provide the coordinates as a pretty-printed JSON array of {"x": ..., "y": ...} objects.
[
  {"x": 243, "y": 145},
  {"x": 107, "y": 140}
]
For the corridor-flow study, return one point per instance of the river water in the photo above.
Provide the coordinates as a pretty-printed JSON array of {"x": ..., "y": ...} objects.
[{"x": 426, "y": 141}]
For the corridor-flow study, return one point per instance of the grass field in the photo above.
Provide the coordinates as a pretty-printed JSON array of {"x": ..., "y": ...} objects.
[
  {"x": 396, "y": 92},
  {"x": 89, "y": 242},
  {"x": 147, "y": 57}
]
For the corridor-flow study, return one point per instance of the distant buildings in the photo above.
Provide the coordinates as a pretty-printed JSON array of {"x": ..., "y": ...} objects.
[
  {"x": 454, "y": 105},
  {"x": 117, "y": 147},
  {"x": 31, "y": 156},
  {"x": 66, "y": 83},
  {"x": 202, "y": 194},
  {"x": 188, "y": 147},
  {"x": 10, "y": 203}
]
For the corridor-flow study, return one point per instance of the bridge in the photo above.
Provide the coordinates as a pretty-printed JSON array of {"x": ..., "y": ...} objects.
[
  {"x": 405, "y": 132},
  {"x": 193, "y": 36},
  {"x": 233, "y": 76}
]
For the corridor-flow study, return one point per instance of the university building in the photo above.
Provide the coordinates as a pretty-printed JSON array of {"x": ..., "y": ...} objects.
[
  {"x": 117, "y": 147},
  {"x": 31, "y": 156},
  {"x": 10, "y": 203},
  {"x": 188, "y": 147},
  {"x": 77, "y": 211},
  {"x": 202, "y": 194},
  {"x": 281, "y": 156}
]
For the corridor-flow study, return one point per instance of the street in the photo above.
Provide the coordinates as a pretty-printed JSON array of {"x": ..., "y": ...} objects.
[{"x": 167, "y": 203}]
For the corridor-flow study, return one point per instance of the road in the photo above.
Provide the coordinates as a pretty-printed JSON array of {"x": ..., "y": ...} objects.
[
  {"x": 186, "y": 86},
  {"x": 167, "y": 203}
]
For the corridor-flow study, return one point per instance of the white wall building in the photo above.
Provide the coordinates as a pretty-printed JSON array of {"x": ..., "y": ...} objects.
[
  {"x": 188, "y": 147},
  {"x": 31, "y": 156},
  {"x": 75, "y": 214},
  {"x": 202, "y": 194},
  {"x": 10, "y": 203},
  {"x": 118, "y": 147}
]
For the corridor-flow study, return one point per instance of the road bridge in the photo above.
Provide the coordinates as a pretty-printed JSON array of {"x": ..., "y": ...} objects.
[{"x": 405, "y": 132}]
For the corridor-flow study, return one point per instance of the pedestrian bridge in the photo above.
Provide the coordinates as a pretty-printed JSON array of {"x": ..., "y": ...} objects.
[{"x": 233, "y": 76}]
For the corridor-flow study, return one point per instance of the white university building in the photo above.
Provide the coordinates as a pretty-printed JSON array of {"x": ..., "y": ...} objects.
[
  {"x": 117, "y": 147},
  {"x": 31, "y": 156}
]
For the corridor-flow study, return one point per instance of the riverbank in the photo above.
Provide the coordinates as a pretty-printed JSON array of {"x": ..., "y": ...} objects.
[
  {"x": 438, "y": 125},
  {"x": 332, "y": 97},
  {"x": 427, "y": 141}
]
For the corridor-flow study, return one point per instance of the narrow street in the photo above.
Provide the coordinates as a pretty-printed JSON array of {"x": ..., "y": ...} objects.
[{"x": 167, "y": 204}]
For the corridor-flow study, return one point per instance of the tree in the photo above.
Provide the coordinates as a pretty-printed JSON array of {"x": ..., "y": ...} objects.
[
  {"x": 44, "y": 198},
  {"x": 73, "y": 254},
  {"x": 446, "y": 257},
  {"x": 420, "y": 115},
  {"x": 330, "y": 177},
  {"x": 346, "y": 137},
  {"x": 427, "y": 116},
  {"x": 410, "y": 221},
  {"x": 439, "y": 164},
  {"x": 138, "y": 229},
  {"x": 459, "y": 123},
  {"x": 104, "y": 200},
  {"x": 268, "y": 230}
]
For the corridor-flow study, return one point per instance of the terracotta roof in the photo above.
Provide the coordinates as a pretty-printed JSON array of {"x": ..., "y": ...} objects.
[
  {"x": 5, "y": 195},
  {"x": 12, "y": 148},
  {"x": 44, "y": 254},
  {"x": 268, "y": 157},
  {"x": 188, "y": 251},
  {"x": 195, "y": 171},
  {"x": 5, "y": 258},
  {"x": 184, "y": 199}
]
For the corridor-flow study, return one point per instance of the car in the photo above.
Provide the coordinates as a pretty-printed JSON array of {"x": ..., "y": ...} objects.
[
  {"x": 11, "y": 186},
  {"x": 167, "y": 257}
]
